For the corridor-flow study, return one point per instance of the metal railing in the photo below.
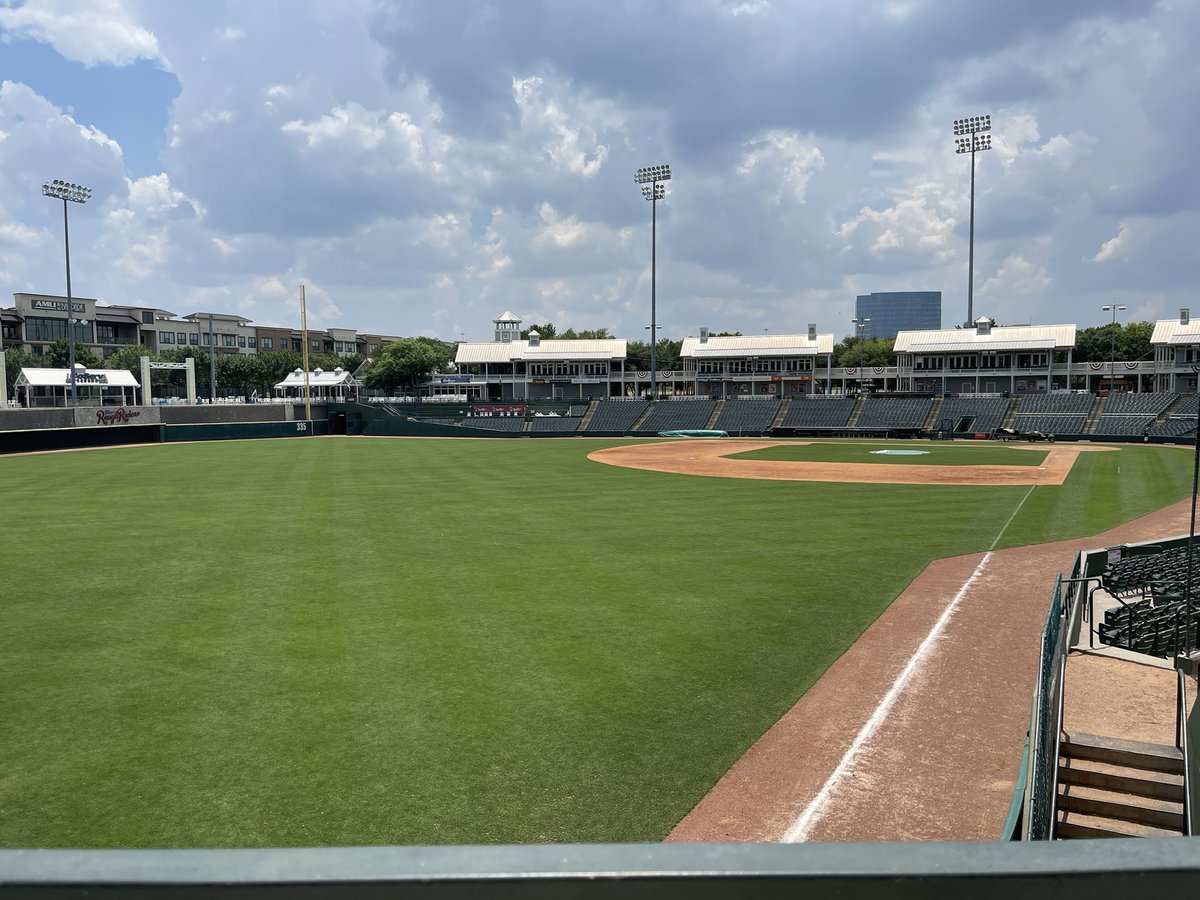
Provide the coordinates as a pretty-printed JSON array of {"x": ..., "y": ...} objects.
[{"x": 1044, "y": 724}]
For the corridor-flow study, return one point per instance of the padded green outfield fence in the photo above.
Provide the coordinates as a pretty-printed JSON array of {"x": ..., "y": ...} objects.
[{"x": 227, "y": 431}]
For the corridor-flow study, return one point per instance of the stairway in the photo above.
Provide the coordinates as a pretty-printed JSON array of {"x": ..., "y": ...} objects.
[
  {"x": 784, "y": 405},
  {"x": 1109, "y": 787},
  {"x": 935, "y": 414},
  {"x": 716, "y": 414},
  {"x": 587, "y": 416},
  {"x": 1010, "y": 414},
  {"x": 644, "y": 416},
  {"x": 857, "y": 412},
  {"x": 1094, "y": 412}
]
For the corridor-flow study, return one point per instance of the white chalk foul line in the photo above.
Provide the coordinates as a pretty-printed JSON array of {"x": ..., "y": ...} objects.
[{"x": 799, "y": 829}]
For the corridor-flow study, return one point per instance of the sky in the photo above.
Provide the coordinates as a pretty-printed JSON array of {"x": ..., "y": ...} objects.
[{"x": 421, "y": 166}]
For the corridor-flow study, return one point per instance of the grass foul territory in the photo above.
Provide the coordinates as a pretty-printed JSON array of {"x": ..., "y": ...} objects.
[{"x": 350, "y": 641}]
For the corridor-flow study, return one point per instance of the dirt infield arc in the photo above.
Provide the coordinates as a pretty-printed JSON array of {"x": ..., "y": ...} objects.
[{"x": 712, "y": 458}]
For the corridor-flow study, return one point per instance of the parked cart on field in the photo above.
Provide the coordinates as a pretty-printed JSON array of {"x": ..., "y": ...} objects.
[{"x": 1011, "y": 434}]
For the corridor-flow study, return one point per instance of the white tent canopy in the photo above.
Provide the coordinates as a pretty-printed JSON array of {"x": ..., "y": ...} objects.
[
  {"x": 338, "y": 383},
  {"x": 42, "y": 387}
]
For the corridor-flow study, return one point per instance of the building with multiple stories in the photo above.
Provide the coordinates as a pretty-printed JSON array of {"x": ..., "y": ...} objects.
[
  {"x": 891, "y": 312},
  {"x": 35, "y": 321}
]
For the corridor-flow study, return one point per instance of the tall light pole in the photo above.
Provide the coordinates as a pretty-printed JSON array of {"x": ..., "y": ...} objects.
[
  {"x": 861, "y": 324},
  {"x": 1112, "y": 358},
  {"x": 651, "y": 179},
  {"x": 76, "y": 193},
  {"x": 972, "y": 138}
]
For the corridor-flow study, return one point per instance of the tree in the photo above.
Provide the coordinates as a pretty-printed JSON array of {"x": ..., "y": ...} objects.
[
  {"x": 129, "y": 357},
  {"x": 407, "y": 361},
  {"x": 14, "y": 361},
  {"x": 873, "y": 352},
  {"x": 547, "y": 331},
  {"x": 58, "y": 355},
  {"x": 1095, "y": 344}
]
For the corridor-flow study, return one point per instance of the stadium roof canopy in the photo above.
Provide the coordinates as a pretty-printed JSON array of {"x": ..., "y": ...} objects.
[
  {"x": 544, "y": 351},
  {"x": 977, "y": 340},
  {"x": 1172, "y": 331},
  {"x": 319, "y": 378},
  {"x": 83, "y": 377},
  {"x": 756, "y": 345}
]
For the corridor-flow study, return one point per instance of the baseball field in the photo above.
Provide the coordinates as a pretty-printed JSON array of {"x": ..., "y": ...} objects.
[{"x": 379, "y": 641}]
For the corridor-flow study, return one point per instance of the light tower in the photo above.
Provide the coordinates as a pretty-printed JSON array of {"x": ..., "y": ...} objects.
[
  {"x": 651, "y": 179},
  {"x": 972, "y": 137},
  {"x": 76, "y": 193}
]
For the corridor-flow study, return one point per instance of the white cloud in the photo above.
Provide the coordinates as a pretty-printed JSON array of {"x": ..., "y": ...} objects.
[
  {"x": 788, "y": 158},
  {"x": 99, "y": 31},
  {"x": 1114, "y": 247},
  {"x": 16, "y": 233},
  {"x": 566, "y": 135}
]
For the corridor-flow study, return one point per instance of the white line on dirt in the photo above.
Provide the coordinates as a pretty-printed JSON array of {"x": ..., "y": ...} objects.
[{"x": 801, "y": 827}]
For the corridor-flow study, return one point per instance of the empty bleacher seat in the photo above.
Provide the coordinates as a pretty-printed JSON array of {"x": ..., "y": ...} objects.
[
  {"x": 894, "y": 412},
  {"x": 616, "y": 415},
  {"x": 811, "y": 413},
  {"x": 747, "y": 416},
  {"x": 677, "y": 415},
  {"x": 977, "y": 414}
]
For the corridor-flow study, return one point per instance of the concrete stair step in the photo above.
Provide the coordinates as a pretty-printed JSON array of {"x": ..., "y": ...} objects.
[
  {"x": 1072, "y": 825},
  {"x": 1134, "y": 754},
  {"x": 1121, "y": 779},
  {"x": 1154, "y": 812}
]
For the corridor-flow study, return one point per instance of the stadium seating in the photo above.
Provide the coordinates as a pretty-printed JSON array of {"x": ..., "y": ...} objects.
[
  {"x": 747, "y": 416},
  {"x": 1181, "y": 420},
  {"x": 578, "y": 410},
  {"x": 1063, "y": 413},
  {"x": 1152, "y": 616},
  {"x": 1148, "y": 404},
  {"x": 616, "y": 415},
  {"x": 674, "y": 415},
  {"x": 1051, "y": 424},
  {"x": 987, "y": 413},
  {"x": 1064, "y": 404},
  {"x": 894, "y": 412},
  {"x": 554, "y": 423},
  {"x": 495, "y": 423},
  {"x": 808, "y": 413}
]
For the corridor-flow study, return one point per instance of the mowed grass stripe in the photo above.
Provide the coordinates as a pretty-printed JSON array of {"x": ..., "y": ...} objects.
[
  {"x": 363, "y": 641},
  {"x": 933, "y": 453}
]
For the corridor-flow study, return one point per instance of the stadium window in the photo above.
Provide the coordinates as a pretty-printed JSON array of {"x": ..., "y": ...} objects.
[
  {"x": 180, "y": 337},
  {"x": 241, "y": 340},
  {"x": 193, "y": 339},
  {"x": 253, "y": 343},
  {"x": 227, "y": 340},
  {"x": 208, "y": 339},
  {"x": 267, "y": 343},
  {"x": 148, "y": 317},
  {"x": 314, "y": 345},
  {"x": 166, "y": 337}
]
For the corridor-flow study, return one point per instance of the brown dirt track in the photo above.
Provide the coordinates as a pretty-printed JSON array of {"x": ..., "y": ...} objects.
[
  {"x": 942, "y": 763},
  {"x": 712, "y": 458}
]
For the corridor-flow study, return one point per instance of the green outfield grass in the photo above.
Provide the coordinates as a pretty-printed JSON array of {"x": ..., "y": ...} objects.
[
  {"x": 937, "y": 453},
  {"x": 375, "y": 641}
]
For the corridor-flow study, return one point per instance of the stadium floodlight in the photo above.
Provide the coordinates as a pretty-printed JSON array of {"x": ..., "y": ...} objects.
[
  {"x": 67, "y": 191},
  {"x": 972, "y": 138},
  {"x": 651, "y": 179},
  {"x": 1112, "y": 358},
  {"x": 861, "y": 323}
]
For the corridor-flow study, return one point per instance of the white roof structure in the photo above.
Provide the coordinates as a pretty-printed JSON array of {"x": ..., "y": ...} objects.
[
  {"x": 1172, "y": 331},
  {"x": 507, "y": 316},
  {"x": 83, "y": 377},
  {"x": 339, "y": 377},
  {"x": 545, "y": 351},
  {"x": 1000, "y": 337},
  {"x": 757, "y": 345}
]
